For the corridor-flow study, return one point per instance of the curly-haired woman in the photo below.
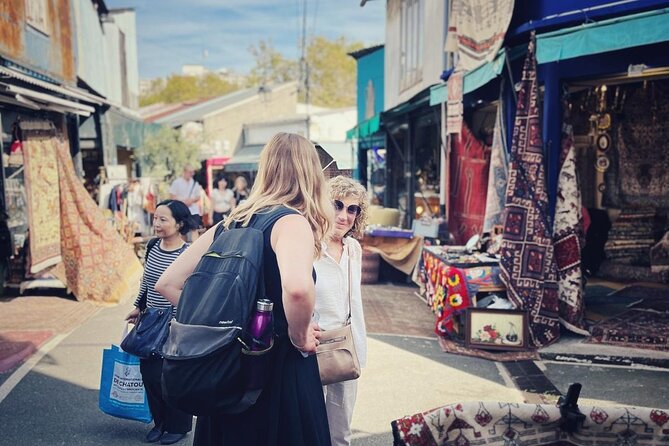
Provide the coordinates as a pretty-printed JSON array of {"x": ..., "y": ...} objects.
[{"x": 341, "y": 255}]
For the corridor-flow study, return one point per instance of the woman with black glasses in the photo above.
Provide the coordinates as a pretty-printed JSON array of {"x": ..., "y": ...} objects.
[{"x": 338, "y": 272}]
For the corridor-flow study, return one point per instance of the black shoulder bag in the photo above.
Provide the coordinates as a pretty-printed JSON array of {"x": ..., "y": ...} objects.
[{"x": 147, "y": 337}]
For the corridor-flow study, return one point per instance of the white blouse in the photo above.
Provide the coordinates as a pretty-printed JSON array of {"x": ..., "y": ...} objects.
[{"x": 332, "y": 294}]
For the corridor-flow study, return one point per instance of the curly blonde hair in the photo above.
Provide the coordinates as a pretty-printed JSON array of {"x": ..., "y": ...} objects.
[{"x": 344, "y": 187}]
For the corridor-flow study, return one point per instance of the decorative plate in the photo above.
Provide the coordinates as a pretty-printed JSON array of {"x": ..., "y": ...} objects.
[
  {"x": 603, "y": 142},
  {"x": 603, "y": 163},
  {"x": 604, "y": 121}
]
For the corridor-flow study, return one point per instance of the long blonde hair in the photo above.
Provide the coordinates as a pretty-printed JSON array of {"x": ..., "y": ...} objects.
[{"x": 289, "y": 173}]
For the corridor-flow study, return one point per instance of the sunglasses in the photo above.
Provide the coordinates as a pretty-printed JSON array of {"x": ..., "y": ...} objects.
[{"x": 353, "y": 209}]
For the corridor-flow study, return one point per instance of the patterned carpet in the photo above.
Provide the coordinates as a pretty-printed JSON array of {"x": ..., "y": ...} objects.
[
  {"x": 396, "y": 310},
  {"x": 450, "y": 346},
  {"x": 506, "y": 424},
  {"x": 635, "y": 328}
]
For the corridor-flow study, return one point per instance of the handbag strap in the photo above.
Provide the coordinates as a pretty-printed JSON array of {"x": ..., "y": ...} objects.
[{"x": 350, "y": 283}]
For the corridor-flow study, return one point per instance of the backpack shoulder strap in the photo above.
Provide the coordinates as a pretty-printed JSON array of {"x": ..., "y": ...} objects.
[
  {"x": 219, "y": 230},
  {"x": 264, "y": 221},
  {"x": 149, "y": 245}
]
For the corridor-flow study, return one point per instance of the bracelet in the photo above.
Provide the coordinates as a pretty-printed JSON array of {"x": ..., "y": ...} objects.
[{"x": 299, "y": 347}]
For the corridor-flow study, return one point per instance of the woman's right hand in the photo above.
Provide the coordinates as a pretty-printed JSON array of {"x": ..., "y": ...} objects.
[{"x": 133, "y": 316}]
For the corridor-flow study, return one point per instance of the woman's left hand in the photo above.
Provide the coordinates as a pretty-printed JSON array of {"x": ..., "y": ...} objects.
[
  {"x": 133, "y": 316},
  {"x": 312, "y": 339}
]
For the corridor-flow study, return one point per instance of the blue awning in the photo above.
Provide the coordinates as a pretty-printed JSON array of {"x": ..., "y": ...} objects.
[
  {"x": 609, "y": 35},
  {"x": 473, "y": 80}
]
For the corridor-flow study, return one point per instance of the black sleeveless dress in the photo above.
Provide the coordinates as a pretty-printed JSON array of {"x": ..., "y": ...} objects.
[{"x": 291, "y": 409}]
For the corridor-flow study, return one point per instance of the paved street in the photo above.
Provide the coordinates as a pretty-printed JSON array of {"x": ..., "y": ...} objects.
[{"x": 52, "y": 398}]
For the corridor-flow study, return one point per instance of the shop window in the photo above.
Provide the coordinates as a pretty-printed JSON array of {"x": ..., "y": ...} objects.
[
  {"x": 376, "y": 172},
  {"x": 369, "y": 100},
  {"x": 411, "y": 43}
]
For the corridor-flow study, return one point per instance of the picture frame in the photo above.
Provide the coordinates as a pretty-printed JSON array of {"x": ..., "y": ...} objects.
[{"x": 493, "y": 329}]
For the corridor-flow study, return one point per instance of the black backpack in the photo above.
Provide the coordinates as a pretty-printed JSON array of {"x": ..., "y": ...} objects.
[{"x": 204, "y": 368}]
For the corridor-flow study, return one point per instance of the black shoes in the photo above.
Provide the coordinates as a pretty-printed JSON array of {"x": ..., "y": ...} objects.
[
  {"x": 169, "y": 438},
  {"x": 154, "y": 435}
]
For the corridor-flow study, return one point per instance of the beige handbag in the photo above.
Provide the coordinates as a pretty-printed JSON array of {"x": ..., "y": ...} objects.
[{"x": 337, "y": 358}]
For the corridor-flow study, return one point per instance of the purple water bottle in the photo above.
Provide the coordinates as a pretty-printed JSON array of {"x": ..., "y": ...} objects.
[{"x": 261, "y": 326}]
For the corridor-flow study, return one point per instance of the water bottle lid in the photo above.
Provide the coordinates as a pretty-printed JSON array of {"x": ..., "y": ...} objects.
[{"x": 264, "y": 305}]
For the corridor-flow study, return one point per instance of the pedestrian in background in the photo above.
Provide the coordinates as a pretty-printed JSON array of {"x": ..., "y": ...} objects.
[
  {"x": 223, "y": 200},
  {"x": 171, "y": 220},
  {"x": 291, "y": 188},
  {"x": 241, "y": 189},
  {"x": 342, "y": 253},
  {"x": 187, "y": 190}
]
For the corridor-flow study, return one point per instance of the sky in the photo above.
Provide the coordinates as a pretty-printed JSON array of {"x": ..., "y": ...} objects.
[{"x": 218, "y": 33}]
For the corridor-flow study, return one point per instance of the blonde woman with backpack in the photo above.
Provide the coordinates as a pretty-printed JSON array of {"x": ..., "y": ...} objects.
[{"x": 291, "y": 188}]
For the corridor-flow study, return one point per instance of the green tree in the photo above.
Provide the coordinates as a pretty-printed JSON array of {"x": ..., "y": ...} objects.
[
  {"x": 166, "y": 152},
  {"x": 211, "y": 85},
  {"x": 331, "y": 70},
  {"x": 332, "y": 76},
  {"x": 270, "y": 66},
  {"x": 179, "y": 88}
]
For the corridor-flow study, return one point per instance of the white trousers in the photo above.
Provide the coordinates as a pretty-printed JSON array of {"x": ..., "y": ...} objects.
[{"x": 339, "y": 402}]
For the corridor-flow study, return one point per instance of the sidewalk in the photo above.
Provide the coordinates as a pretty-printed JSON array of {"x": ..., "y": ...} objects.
[{"x": 28, "y": 322}]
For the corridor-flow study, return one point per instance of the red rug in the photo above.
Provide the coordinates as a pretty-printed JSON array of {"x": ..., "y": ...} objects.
[
  {"x": 457, "y": 348},
  {"x": 635, "y": 328},
  {"x": 15, "y": 346},
  {"x": 470, "y": 163}
]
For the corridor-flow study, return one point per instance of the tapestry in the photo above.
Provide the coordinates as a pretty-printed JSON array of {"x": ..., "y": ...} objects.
[
  {"x": 484, "y": 423},
  {"x": 568, "y": 238},
  {"x": 476, "y": 30},
  {"x": 639, "y": 168},
  {"x": 41, "y": 179},
  {"x": 528, "y": 266},
  {"x": 497, "y": 176},
  {"x": 99, "y": 266},
  {"x": 454, "y": 106},
  {"x": 470, "y": 162},
  {"x": 635, "y": 328},
  {"x": 401, "y": 253},
  {"x": 632, "y": 235},
  {"x": 432, "y": 273},
  {"x": 451, "y": 298},
  {"x": 631, "y": 273},
  {"x": 659, "y": 255}
]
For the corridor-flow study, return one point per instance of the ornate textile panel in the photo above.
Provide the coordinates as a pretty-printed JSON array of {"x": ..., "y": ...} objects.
[
  {"x": 99, "y": 265},
  {"x": 470, "y": 163},
  {"x": 486, "y": 423},
  {"x": 527, "y": 258},
  {"x": 497, "y": 177},
  {"x": 568, "y": 238},
  {"x": 476, "y": 30},
  {"x": 41, "y": 178}
]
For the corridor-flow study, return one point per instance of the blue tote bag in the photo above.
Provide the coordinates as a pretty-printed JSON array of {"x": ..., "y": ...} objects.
[{"x": 122, "y": 391}]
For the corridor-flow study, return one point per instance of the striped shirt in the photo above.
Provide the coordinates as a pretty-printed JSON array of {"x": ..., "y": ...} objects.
[{"x": 156, "y": 263}]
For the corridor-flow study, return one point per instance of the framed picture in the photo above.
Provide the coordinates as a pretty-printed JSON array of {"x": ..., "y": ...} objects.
[{"x": 496, "y": 329}]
